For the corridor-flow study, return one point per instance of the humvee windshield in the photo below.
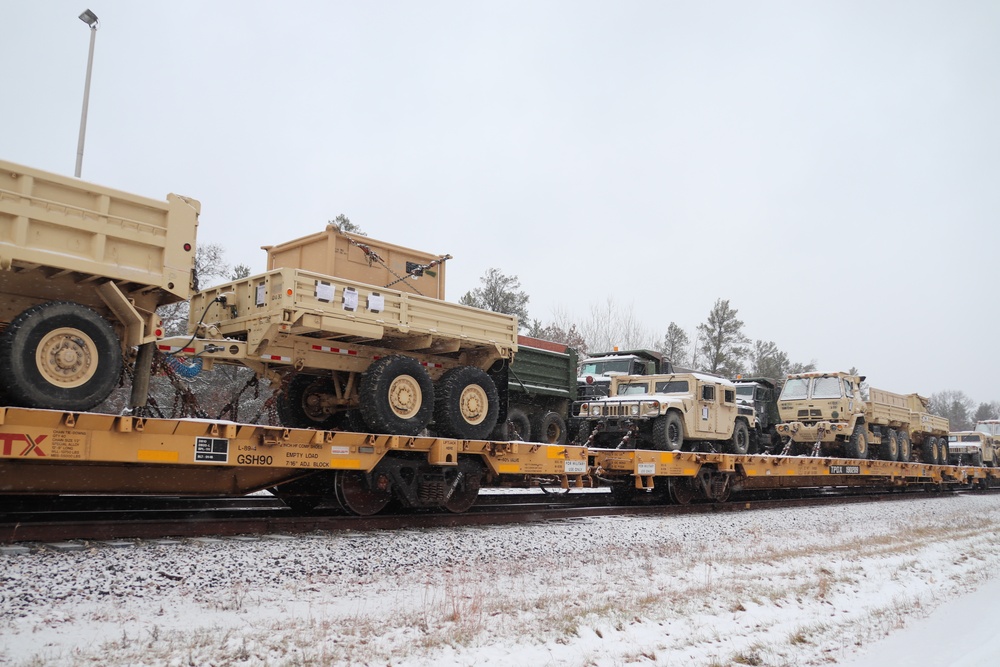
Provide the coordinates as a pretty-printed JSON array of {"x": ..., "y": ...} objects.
[
  {"x": 633, "y": 388},
  {"x": 606, "y": 366},
  {"x": 965, "y": 438},
  {"x": 672, "y": 387}
]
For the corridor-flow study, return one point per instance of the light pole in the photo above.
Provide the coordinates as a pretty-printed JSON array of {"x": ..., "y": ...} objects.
[{"x": 90, "y": 18}]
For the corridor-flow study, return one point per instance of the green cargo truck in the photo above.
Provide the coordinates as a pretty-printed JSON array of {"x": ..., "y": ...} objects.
[{"x": 541, "y": 389}]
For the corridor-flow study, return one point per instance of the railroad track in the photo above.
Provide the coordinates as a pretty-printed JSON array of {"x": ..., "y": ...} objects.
[{"x": 158, "y": 518}]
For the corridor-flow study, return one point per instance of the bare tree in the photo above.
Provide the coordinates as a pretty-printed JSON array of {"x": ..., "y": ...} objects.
[
  {"x": 956, "y": 406},
  {"x": 724, "y": 346},
  {"x": 612, "y": 324},
  {"x": 500, "y": 293},
  {"x": 987, "y": 411}
]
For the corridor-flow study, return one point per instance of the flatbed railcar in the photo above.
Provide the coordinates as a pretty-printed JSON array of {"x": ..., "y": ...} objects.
[{"x": 51, "y": 452}]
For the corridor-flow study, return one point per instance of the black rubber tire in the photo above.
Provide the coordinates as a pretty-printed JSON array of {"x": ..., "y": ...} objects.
[
  {"x": 87, "y": 334},
  {"x": 856, "y": 446},
  {"x": 943, "y": 450},
  {"x": 583, "y": 433},
  {"x": 459, "y": 395},
  {"x": 905, "y": 447},
  {"x": 668, "y": 433},
  {"x": 549, "y": 428},
  {"x": 293, "y": 404},
  {"x": 929, "y": 450},
  {"x": 977, "y": 460},
  {"x": 519, "y": 426},
  {"x": 889, "y": 449},
  {"x": 378, "y": 384},
  {"x": 739, "y": 443}
]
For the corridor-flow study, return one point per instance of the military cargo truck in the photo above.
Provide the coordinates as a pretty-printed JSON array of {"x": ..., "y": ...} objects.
[
  {"x": 761, "y": 395},
  {"x": 541, "y": 390},
  {"x": 594, "y": 377},
  {"x": 83, "y": 269},
  {"x": 826, "y": 413},
  {"x": 674, "y": 412},
  {"x": 973, "y": 448},
  {"x": 358, "y": 355}
]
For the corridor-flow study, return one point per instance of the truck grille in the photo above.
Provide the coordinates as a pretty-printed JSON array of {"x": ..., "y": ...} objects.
[{"x": 812, "y": 413}]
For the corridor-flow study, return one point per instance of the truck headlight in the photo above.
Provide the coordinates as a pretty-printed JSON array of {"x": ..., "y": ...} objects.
[
  {"x": 634, "y": 410},
  {"x": 650, "y": 408},
  {"x": 595, "y": 411}
]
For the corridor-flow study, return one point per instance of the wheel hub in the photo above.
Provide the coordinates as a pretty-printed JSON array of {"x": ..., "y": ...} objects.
[
  {"x": 405, "y": 397},
  {"x": 474, "y": 404},
  {"x": 66, "y": 357}
]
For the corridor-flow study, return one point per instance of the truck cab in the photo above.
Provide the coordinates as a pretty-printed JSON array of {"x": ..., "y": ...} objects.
[
  {"x": 595, "y": 373},
  {"x": 760, "y": 394}
]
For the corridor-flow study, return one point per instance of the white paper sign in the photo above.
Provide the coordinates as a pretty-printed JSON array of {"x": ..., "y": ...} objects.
[
  {"x": 350, "y": 298},
  {"x": 324, "y": 291},
  {"x": 261, "y": 295},
  {"x": 376, "y": 302}
]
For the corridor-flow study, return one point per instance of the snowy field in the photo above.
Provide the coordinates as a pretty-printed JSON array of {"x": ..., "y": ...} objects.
[{"x": 807, "y": 586}]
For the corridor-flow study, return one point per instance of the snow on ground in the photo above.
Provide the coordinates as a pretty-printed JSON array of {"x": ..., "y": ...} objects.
[{"x": 805, "y": 586}]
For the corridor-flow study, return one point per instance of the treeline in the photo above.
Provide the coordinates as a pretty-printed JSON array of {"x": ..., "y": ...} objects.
[{"x": 717, "y": 345}]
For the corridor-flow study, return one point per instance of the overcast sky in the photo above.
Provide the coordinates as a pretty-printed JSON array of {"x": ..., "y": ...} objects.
[{"x": 831, "y": 168}]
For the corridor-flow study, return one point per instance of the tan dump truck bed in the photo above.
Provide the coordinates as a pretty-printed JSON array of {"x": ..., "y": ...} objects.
[
  {"x": 302, "y": 303},
  {"x": 362, "y": 259},
  {"x": 60, "y": 237},
  {"x": 896, "y": 410}
]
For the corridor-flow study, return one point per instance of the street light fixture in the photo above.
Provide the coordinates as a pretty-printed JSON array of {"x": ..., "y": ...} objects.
[{"x": 90, "y": 18}]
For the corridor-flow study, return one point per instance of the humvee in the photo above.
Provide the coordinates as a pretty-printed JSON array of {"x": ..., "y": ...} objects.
[{"x": 676, "y": 412}]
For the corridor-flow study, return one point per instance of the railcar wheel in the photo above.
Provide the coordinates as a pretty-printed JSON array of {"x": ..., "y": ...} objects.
[
  {"x": 60, "y": 356},
  {"x": 396, "y": 396},
  {"x": 466, "y": 488},
  {"x": 740, "y": 442},
  {"x": 668, "y": 433},
  {"x": 905, "y": 447},
  {"x": 466, "y": 404},
  {"x": 521, "y": 426},
  {"x": 681, "y": 492},
  {"x": 889, "y": 449},
  {"x": 360, "y": 494},
  {"x": 550, "y": 429},
  {"x": 930, "y": 450},
  {"x": 299, "y": 406},
  {"x": 857, "y": 446}
]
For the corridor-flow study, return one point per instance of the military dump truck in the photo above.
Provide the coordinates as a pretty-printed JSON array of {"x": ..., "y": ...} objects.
[
  {"x": 761, "y": 395},
  {"x": 973, "y": 448},
  {"x": 541, "y": 390},
  {"x": 594, "y": 377},
  {"x": 675, "y": 412},
  {"x": 826, "y": 413},
  {"x": 364, "y": 353},
  {"x": 83, "y": 269}
]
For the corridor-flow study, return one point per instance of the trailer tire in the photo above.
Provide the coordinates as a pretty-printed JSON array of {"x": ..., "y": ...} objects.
[
  {"x": 297, "y": 404},
  {"x": 739, "y": 443},
  {"x": 396, "y": 396},
  {"x": 905, "y": 447},
  {"x": 929, "y": 450},
  {"x": 668, "y": 433},
  {"x": 466, "y": 404},
  {"x": 857, "y": 444},
  {"x": 520, "y": 426},
  {"x": 889, "y": 449},
  {"x": 549, "y": 428},
  {"x": 60, "y": 356}
]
